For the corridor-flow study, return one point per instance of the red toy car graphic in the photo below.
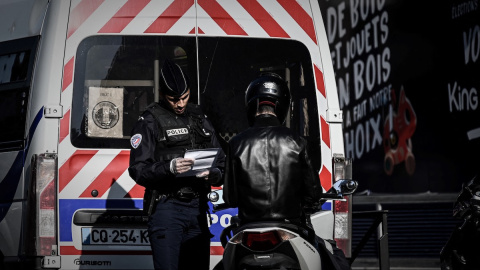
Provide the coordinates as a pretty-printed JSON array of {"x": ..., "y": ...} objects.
[{"x": 398, "y": 130}]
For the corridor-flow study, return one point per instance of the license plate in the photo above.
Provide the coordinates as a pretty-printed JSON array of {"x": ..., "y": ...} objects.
[{"x": 111, "y": 236}]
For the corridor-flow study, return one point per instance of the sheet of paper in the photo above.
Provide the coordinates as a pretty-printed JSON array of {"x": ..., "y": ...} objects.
[{"x": 204, "y": 159}]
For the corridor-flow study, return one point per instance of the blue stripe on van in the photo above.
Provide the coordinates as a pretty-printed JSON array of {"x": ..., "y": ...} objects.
[
  {"x": 67, "y": 207},
  {"x": 9, "y": 184},
  {"x": 33, "y": 128}
]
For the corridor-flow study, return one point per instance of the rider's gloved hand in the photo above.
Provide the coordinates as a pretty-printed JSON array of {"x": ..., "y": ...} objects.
[
  {"x": 181, "y": 165},
  {"x": 212, "y": 175}
]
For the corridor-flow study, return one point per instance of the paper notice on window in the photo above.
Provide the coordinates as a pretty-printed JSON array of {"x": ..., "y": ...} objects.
[
  {"x": 105, "y": 112},
  {"x": 204, "y": 159}
]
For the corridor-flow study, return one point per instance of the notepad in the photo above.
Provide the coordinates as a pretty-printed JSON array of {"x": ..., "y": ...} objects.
[{"x": 204, "y": 159}]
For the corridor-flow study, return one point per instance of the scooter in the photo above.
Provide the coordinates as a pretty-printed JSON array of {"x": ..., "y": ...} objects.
[
  {"x": 461, "y": 252},
  {"x": 281, "y": 245}
]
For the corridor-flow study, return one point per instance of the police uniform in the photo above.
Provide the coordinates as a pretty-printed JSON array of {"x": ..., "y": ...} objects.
[{"x": 177, "y": 206}]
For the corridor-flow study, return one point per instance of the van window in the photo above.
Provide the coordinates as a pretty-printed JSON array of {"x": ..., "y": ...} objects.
[
  {"x": 115, "y": 80},
  {"x": 227, "y": 65},
  {"x": 16, "y": 64}
]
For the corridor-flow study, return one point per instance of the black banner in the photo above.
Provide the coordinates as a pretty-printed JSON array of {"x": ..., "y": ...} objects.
[{"x": 408, "y": 78}]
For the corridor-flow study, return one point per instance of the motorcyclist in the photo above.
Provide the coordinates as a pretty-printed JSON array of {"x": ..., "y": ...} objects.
[
  {"x": 268, "y": 173},
  {"x": 461, "y": 250},
  {"x": 269, "y": 176}
]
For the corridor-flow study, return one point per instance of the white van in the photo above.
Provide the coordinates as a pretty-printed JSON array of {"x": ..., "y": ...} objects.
[{"x": 74, "y": 77}]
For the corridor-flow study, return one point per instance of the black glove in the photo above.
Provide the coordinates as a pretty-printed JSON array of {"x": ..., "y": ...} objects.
[
  {"x": 212, "y": 175},
  {"x": 215, "y": 177}
]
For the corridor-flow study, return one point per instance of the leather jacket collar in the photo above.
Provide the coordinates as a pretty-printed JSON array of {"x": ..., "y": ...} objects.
[{"x": 265, "y": 120}]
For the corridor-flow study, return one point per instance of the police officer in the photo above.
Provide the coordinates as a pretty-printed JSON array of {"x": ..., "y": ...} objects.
[{"x": 177, "y": 206}]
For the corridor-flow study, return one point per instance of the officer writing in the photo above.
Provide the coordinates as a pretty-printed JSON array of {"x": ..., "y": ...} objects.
[
  {"x": 177, "y": 206},
  {"x": 269, "y": 176}
]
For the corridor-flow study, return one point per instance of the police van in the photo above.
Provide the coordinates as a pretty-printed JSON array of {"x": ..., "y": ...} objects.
[{"x": 76, "y": 74}]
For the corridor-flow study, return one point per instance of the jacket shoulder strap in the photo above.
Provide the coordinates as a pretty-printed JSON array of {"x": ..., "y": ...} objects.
[
  {"x": 159, "y": 114},
  {"x": 156, "y": 110},
  {"x": 195, "y": 110}
]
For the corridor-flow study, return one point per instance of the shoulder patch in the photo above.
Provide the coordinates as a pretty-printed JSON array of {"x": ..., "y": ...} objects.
[{"x": 136, "y": 140}]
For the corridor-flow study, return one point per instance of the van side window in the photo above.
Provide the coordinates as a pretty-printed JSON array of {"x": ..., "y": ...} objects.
[{"x": 16, "y": 64}]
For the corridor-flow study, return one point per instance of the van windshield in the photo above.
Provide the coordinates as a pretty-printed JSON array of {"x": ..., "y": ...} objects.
[{"x": 115, "y": 79}]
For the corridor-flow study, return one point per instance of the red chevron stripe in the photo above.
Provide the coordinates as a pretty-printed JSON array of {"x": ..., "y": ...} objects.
[
  {"x": 263, "y": 18},
  {"x": 216, "y": 250},
  {"x": 221, "y": 17},
  {"x": 124, "y": 16},
  {"x": 325, "y": 178},
  {"x": 72, "y": 166},
  {"x": 65, "y": 126},
  {"x": 71, "y": 250},
  {"x": 109, "y": 175},
  {"x": 81, "y": 13},
  {"x": 67, "y": 74},
  {"x": 320, "y": 81},
  {"x": 300, "y": 16},
  {"x": 136, "y": 192},
  {"x": 325, "y": 131},
  {"x": 170, "y": 16}
]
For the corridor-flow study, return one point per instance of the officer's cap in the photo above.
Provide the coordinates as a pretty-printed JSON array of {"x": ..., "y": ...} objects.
[{"x": 173, "y": 81}]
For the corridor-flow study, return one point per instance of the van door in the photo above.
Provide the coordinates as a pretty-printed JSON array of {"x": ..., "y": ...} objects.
[{"x": 113, "y": 52}]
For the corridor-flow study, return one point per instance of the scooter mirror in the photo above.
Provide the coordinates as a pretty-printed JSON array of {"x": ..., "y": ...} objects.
[
  {"x": 213, "y": 196},
  {"x": 345, "y": 186}
]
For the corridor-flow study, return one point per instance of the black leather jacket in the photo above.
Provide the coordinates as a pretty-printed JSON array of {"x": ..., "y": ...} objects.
[{"x": 268, "y": 174}]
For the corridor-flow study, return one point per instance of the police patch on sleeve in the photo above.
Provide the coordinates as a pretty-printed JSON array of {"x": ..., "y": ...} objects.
[{"x": 136, "y": 140}]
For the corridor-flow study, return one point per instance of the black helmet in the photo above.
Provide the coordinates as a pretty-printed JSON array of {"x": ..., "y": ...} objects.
[
  {"x": 173, "y": 81},
  {"x": 271, "y": 89}
]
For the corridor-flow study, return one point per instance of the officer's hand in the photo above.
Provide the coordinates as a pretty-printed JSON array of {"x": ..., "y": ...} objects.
[{"x": 181, "y": 165}]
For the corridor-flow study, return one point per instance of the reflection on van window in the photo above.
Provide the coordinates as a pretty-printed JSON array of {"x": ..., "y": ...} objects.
[
  {"x": 228, "y": 65},
  {"x": 115, "y": 80},
  {"x": 16, "y": 65},
  {"x": 12, "y": 115},
  {"x": 13, "y": 67}
]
